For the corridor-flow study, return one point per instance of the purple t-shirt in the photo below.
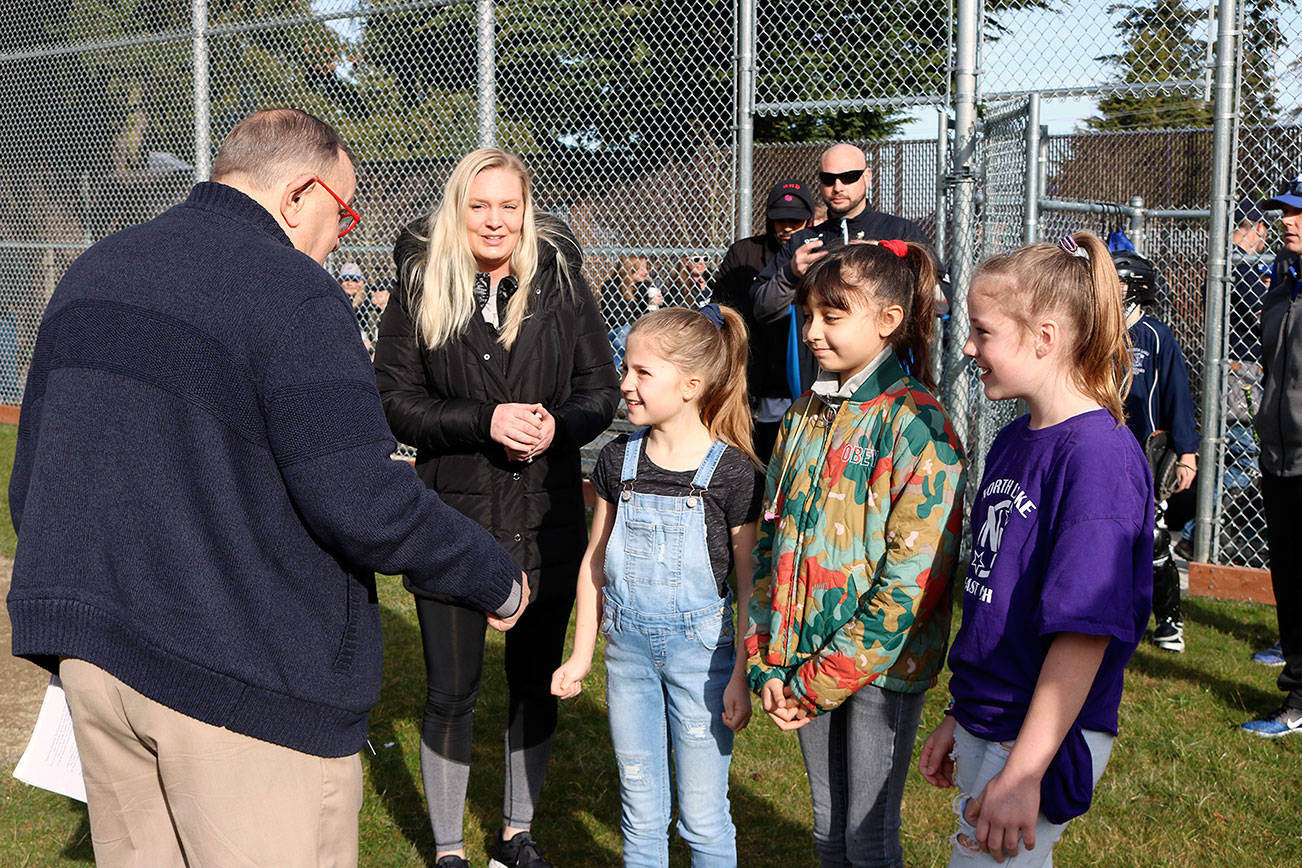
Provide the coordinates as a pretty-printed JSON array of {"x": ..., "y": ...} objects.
[{"x": 1062, "y": 541}]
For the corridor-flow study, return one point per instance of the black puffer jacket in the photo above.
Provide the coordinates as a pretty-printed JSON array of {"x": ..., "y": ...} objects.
[{"x": 441, "y": 401}]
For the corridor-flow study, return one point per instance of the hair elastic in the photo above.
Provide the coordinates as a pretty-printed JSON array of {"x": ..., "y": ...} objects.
[
  {"x": 713, "y": 314},
  {"x": 899, "y": 248},
  {"x": 1068, "y": 244}
]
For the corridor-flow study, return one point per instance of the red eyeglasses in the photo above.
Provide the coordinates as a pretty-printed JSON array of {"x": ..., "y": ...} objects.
[{"x": 349, "y": 218}]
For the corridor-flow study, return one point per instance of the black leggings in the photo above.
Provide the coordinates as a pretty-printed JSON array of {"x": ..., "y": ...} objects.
[
  {"x": 1282, "y": 497},
  {"x": 453, "y": 640}
]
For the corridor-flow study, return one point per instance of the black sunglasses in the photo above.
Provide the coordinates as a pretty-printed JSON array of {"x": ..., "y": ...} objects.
[
  {"x": 827, "y": 179},
  {"x": 344, "y": 277}
]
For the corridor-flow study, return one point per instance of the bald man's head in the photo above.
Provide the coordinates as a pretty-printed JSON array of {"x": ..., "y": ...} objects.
[
  {"x": 843, "y": 178},
  {"x": 842, "y": 156}
]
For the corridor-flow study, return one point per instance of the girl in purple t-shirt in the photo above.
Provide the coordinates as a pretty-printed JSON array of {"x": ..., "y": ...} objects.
[{"x": 1059, "y": 589}]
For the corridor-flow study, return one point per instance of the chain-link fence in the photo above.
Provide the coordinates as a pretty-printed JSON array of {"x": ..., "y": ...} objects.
[
  {"x": 1268, "y": 152},
  {"x": 655, "y": 129}
]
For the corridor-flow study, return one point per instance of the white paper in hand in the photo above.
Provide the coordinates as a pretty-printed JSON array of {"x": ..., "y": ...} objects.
[{"x": 51, "y": 761}]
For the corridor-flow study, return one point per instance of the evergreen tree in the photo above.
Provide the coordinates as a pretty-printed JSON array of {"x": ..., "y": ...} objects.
[
  {"x": 1260, "y": 45},
  {"x": 1161, "y": 46},
  {"x": 1165, "y": 42}
]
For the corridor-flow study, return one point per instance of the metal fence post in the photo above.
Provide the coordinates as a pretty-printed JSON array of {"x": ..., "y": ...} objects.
[
  {"x": 942, "y": 230},
  {"x": 202, "y": 96},
  {"x": 1042, "y": 178},
  {"x": 942, "y": 188},
  {"x": 1217, "y": 274},
  {"x": 1031, "y": 230},
  {"x": 1136, "y": 226},
  {"x": 745, "y": 117},
  {"x": 487, "y": 75},
  {"x": 964, "y": 222}
]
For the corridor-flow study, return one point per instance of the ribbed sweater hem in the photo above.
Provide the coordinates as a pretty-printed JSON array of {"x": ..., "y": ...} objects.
[{"x": 45, "y": 630}]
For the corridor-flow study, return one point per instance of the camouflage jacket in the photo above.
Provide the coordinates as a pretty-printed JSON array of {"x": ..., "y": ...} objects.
[{"x": 863, "y": 513}]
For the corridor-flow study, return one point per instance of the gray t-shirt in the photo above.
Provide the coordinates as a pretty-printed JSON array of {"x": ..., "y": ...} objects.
[{"x": 733, "y": 498}]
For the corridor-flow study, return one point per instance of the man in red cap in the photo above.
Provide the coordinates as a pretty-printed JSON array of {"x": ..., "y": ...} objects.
[{"x": 789, "y": 209}]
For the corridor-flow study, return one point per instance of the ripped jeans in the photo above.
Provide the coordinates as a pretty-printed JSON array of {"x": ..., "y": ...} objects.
[
  {"x": 976, "y": 761},
  {"x": 665, "y": 676}
]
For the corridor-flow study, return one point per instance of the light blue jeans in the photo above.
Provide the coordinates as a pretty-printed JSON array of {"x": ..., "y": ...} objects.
[
  {"x": 858, "y": 758},
  {"x": 976, "y": 761},
  {"x": 665, "y": 676},
  {"x": 669, "y": 655}
]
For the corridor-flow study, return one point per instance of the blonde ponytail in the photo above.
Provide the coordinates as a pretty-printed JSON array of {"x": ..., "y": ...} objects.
[
  {"x": 693, "y": 342},
  {"x": 1075, "y": 278},
  {"x": 1104, "y": 362}
]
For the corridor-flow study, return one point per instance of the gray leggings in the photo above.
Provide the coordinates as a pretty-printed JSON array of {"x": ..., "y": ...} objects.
[
  {"x": 453, "y": 640},
  {"x": 857, "y": 758}
]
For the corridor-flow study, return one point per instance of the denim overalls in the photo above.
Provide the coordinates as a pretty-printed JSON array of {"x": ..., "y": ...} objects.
[{"x": 669, "y": 656}]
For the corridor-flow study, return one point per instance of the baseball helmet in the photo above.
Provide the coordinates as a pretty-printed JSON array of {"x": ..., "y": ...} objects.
[{"x": 1138, "y": 277}]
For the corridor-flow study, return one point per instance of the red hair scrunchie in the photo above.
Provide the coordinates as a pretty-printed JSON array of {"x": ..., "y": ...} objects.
[{"x": 899, "y": 248}]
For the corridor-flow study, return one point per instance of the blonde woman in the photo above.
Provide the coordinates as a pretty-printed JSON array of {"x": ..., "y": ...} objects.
[{"x": 492, "y": 360}]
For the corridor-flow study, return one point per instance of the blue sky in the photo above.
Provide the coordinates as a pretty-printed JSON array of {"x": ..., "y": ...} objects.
[
  {"x": 1058, "y": 49},
  {"x": 1045, "y": 49}
]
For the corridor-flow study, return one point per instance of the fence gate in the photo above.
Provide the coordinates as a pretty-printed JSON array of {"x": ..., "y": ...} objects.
[{"x": 1002, "y": 160}]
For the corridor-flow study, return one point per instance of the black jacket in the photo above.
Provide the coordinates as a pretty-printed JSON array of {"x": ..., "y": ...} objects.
[
  {"x": 774, "y": 290},
  {"x": 1279, "y": 418},
  {"x": 742, "y": 263},
  {"x": 442, "y": 401}
]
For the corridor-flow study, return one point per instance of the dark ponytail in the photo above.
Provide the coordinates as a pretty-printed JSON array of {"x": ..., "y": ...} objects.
[
  {"x": 887, "y": 272},
  {"x": 912, "y": 340}
]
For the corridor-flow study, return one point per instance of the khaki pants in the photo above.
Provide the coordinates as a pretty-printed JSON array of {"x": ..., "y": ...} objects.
[{"x": 165, "y": 789}]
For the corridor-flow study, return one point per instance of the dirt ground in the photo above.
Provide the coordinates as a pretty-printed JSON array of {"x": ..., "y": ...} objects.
[{"x": 22, "y": 686}]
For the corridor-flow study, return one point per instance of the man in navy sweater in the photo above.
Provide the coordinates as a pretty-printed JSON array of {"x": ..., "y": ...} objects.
[{"x": 202, "y": 491}]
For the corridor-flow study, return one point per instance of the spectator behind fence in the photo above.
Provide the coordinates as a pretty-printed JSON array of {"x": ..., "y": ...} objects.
[
  {"x": 691, "y": 286},
  {"x": 628, "y": 293},
  {"x": 353, "y": 282},
  {"x": 493, "y": 362},
  {"x": 1243, "y": 347},
  {"x": 1160, "y": 413},
  {"x": 202, "y": 490},
  {"x": 11, "y": 373},
  {"x": 1279, "y": 427},
  {"x": 843, "y": 179},
  {"x": 1236, "y": 485},
  {"x": 788, "y": 209}
]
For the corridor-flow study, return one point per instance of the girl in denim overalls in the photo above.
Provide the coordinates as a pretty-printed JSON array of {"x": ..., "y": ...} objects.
[{"x": 676, "y": 507}]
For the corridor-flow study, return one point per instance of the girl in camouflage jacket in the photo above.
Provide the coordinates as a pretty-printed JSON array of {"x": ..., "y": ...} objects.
[{"x": 857, "y": 545}]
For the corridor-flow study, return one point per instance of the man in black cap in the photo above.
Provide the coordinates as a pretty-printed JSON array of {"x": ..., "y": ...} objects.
[
  {"x": 1279, "y": 427},
  {"x": 788, "y": 209}
]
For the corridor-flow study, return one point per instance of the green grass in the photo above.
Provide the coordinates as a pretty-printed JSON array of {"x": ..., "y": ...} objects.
[
  {"x": 1184, "y": 787},
  {"x": 8, "y": 440}
]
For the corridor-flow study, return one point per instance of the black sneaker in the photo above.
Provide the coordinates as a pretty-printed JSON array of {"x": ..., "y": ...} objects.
[
  {"x": 1184, "y": 549},
  {"x": 519, "y": 852},
  {"x": 1169, "y": 635},
  {"x": 452, "y": 861}
]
